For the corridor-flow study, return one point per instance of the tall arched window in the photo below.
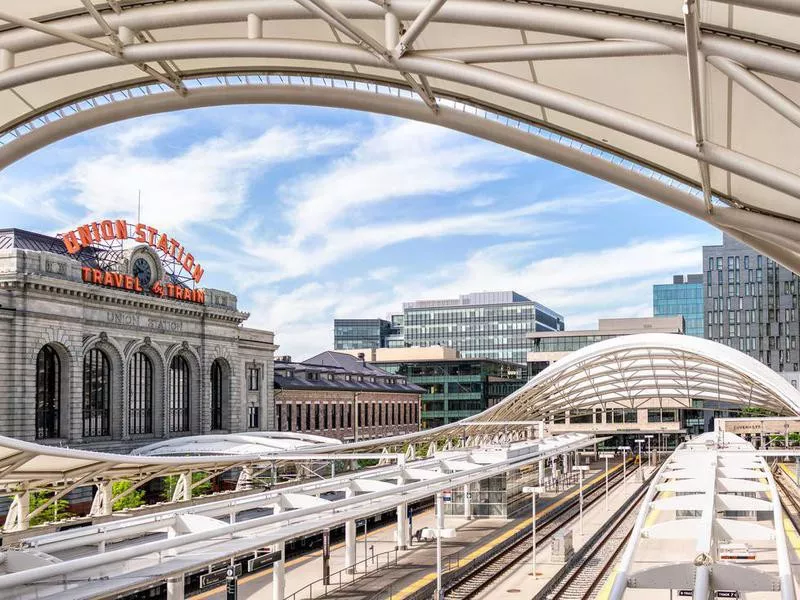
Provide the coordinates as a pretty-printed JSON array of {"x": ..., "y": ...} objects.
[
  {"x": 96, "y": 393},
  {"x": 217, "y": 393},
  {"x": 179, "y": 374},
  {"x": 48, "y": 393},
  {"x": 140, "y": 394}
]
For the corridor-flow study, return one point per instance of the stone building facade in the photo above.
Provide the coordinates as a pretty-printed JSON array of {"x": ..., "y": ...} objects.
[
  {"x": 339, "y": 396},
  {"x": 112, "y": 368}
]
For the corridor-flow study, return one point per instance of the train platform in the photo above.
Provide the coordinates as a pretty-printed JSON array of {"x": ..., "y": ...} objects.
[
  {"x": 517, "y": 582},
  {"x": 412, "y": 569}
]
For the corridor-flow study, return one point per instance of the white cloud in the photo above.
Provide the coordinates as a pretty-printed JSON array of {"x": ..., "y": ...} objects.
[
  {"x": 401, "y": 160},
  {"x": 209, "y": 181}
]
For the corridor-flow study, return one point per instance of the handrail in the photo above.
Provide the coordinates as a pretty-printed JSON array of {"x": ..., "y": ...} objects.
[{"x": 351, "y": 570}]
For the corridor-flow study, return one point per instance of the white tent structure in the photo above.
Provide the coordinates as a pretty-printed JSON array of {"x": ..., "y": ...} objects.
[{"x": 693, "y": 103}]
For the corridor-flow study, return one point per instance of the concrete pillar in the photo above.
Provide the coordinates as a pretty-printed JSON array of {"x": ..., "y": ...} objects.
[
  {"x": 175, "y": 588},
  {"x": 467, "y": 502},
  {"x": 541, "y": 473},
  {"x": 565, "y": 463},
  {"x": 278, "y": 568},
  {"x": 174, "y": 584},
  {"x": 402, "y": 526},
  {"x": 349, "y": 540}
]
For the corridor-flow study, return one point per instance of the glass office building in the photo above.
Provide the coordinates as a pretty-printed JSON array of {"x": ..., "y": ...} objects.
[
  {"x": 684, "y": 297},
  {"x": 457, "y": 388},
  {"x": 351, "y": 334},
  {"x": 493, "y": 325}
]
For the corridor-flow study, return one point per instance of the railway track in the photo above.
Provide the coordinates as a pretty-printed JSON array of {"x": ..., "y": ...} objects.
[
  {"x": 588, "y": 569},
  {"x": 789, "y": 495},
  {"x": 473, "y": 578}
]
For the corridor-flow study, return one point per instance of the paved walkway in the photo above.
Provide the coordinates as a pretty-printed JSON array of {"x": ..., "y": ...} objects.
[{"x": 517, "y": 583}]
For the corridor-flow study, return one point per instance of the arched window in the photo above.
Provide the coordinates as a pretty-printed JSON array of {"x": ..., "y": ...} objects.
[
  {"x": 179, "y": 374},
  {"x": 96, "y": 393},
  {"x": 48, "y": 393},
  {"x": 140, "y": 394},
  {"x": 217, "y": 393}
]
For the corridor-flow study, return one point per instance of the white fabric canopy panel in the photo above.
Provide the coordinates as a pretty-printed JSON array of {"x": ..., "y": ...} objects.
[
  {"x": 691, "y": 102},
  {"x": 645, "y": 370}
]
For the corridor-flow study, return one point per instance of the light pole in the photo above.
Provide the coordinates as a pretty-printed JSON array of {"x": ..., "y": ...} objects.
[
  {"x": 533, "y": 491},
  {"x": 649, "y": 451},
  {"x": 606, "y": 456},
  {"x": 580, "y": 469},
  {"x": 439, "y": 519},
  {"x": 639, "y": 443},
  {"x": 625, "y": 450}
]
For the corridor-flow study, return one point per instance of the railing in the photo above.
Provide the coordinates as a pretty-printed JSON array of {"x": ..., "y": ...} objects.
[{"x": 345, "y": 577}]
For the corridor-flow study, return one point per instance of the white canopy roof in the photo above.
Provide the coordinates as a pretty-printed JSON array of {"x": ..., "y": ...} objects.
[
  {"x": 633, "y": 371},
  {"x": 694, "y": 105}
]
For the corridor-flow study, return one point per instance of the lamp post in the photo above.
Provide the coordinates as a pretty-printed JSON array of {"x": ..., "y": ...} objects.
[
  {"x": 625, "y": 450},
  {"x": 580, "y": 469},
  {"x": 533, "y": 491},
  {"x": 606, "y": 456},
  {"x": 649, "y": 451},
  {"x": 439, "y": 519},
  {"x": 639, "y": 443}
]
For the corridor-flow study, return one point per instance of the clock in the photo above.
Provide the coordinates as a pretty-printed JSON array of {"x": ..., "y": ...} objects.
[{"x": 142, "y": 271}]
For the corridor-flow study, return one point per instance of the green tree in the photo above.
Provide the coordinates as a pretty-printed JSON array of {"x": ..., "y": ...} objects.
[
  {"x": 199, "y": 490},
  {"x": 54, "y": 512},
  {"x": 131, "y": 500}
]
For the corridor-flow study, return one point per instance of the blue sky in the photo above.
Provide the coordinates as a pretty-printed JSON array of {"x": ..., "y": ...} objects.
[{"x": 309, "y": 214}]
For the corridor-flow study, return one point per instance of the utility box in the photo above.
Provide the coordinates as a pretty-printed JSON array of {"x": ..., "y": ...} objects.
[{"x": 561, "y": 546}]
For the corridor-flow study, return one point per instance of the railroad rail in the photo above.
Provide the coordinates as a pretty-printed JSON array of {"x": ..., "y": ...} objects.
[
  {"x": 789, "y": 494},
  {"x": 465, "y": 582},
  {"x": 586, "y": 571}
]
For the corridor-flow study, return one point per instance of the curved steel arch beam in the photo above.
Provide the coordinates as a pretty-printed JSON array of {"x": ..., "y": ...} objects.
[
  {"x": 506, "y": 85},
  {"x": 765, "y": 53}
]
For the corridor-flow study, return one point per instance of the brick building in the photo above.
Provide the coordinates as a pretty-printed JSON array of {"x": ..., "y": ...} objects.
[
  {"x": 341, "y": 396},
  {"x": 113, "y": 346}
]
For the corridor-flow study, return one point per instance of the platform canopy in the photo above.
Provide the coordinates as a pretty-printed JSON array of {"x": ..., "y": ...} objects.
[
  {"x": 690, "y": 102},
  {"x": 645, "y": 371}
]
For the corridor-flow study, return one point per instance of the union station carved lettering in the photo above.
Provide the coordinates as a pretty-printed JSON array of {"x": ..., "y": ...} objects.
[{"x": 134, "y": 320}]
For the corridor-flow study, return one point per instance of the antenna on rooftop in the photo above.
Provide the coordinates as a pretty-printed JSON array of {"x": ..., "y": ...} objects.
[{"x": 139, "y": 211}]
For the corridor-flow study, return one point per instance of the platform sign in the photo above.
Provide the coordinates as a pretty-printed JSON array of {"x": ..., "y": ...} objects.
[
  {"x": 259, "y": 561},
  {"x": 447, "y": 495},
  {"x": 726, "y": 594},
  {"x": 685, "y": 593},
  {"x": 231, "y": 589},
  {"x": 214, "y": 578},
  {"x": 326, "y": 556}
]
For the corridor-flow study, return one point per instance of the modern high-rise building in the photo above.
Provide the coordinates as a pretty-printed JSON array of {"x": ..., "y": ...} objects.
[
  {"x": 684, "y": 297},
  {"x": 492, "y": 325},
  {"x": 360, "y": 333},
  {"x": 454, "y": 387},
  {"x": 751, "y": 304}
]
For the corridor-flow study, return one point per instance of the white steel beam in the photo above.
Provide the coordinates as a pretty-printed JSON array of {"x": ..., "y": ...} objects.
[
  {"x": 415, "y": 29},
  {"x": 759, "y": 88},
  {"x": 58, "y": 33},
  {"x": 551, "y": 51},
  {"x": 696, "y": 63}
]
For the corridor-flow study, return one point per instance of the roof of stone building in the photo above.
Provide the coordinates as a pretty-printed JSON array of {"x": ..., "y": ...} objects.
[
  {"x": 20, "y": 239},
  {"x": 293, "y": 375}
]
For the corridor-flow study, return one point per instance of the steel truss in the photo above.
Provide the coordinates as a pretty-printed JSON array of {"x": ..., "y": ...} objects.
[{"x": 109, "y": 36}]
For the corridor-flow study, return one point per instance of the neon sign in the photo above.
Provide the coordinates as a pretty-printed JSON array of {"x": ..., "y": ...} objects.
[
  {"x": 121, "y": 281},
  {"x": 93, "y": 233}
]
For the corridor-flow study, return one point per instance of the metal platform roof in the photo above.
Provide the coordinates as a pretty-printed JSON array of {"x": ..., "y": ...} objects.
[
  {"x": 692, "y": 103},
  {"x": 707, "y": 497}
]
